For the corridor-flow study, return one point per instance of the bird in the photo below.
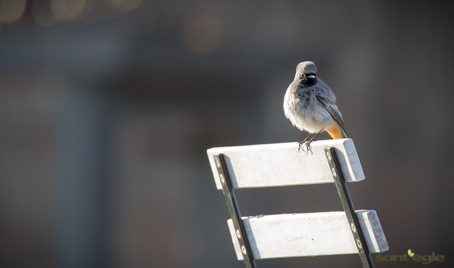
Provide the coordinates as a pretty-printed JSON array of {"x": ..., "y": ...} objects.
[{"x": 310, "y": 105}]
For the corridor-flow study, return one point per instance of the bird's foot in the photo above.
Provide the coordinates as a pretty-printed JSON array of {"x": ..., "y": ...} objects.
[{"x": 306, "y": 144}]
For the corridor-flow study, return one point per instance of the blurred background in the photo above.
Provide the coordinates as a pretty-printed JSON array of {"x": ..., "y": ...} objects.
[{"x": 107, "y": 108}]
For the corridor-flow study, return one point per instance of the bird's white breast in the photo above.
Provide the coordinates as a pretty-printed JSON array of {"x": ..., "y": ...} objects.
[{"x": 304, "y": 110}]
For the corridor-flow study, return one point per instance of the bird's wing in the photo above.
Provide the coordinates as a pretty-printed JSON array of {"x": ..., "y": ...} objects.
[
  {"x": 323, "y": 87},
  {"x": 332, "y": 109}
]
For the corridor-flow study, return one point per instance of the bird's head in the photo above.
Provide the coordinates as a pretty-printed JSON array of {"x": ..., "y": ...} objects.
[{"x": 306, "y": 71}]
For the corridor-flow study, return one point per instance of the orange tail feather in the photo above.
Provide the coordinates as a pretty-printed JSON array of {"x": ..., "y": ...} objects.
[{"x": 335, "y": 132}]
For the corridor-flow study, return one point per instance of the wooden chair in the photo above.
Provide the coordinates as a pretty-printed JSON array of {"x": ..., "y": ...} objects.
[{"x": 298, "y": 234}]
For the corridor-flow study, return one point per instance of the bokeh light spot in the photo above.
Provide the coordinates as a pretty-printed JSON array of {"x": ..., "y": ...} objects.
[
  {"x": 11, "y": 10},
  {"x": 203, "y": 34}
]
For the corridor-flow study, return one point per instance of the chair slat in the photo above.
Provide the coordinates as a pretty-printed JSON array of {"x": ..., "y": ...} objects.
[
  {"x": 281, "y": 164},
  {"x": 308, "y": 234}
]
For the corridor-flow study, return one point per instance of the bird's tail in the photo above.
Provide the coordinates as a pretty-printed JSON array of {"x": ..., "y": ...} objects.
[{"x": 336, "y": 132}]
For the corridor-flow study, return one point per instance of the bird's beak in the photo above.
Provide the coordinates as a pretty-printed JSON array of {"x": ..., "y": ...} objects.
[{"x": 311, "y": 76}]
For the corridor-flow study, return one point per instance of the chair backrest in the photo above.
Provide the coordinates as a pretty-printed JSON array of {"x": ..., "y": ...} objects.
[{"x": 299, "y": 234}]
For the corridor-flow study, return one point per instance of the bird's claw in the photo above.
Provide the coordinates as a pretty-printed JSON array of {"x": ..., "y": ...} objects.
[{"x": 306, "y": 144}]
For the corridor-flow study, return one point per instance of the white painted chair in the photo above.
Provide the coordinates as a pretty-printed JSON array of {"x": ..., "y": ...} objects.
[{"x": 298, "y": 234}]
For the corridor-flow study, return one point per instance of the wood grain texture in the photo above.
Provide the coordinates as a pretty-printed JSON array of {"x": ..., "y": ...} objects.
[
  {"x": 308, "y": 234},
  {"x": 271, "y": 165}
]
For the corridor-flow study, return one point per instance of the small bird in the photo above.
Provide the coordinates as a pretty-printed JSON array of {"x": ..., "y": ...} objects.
[{"x": 310, "y": 105}]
